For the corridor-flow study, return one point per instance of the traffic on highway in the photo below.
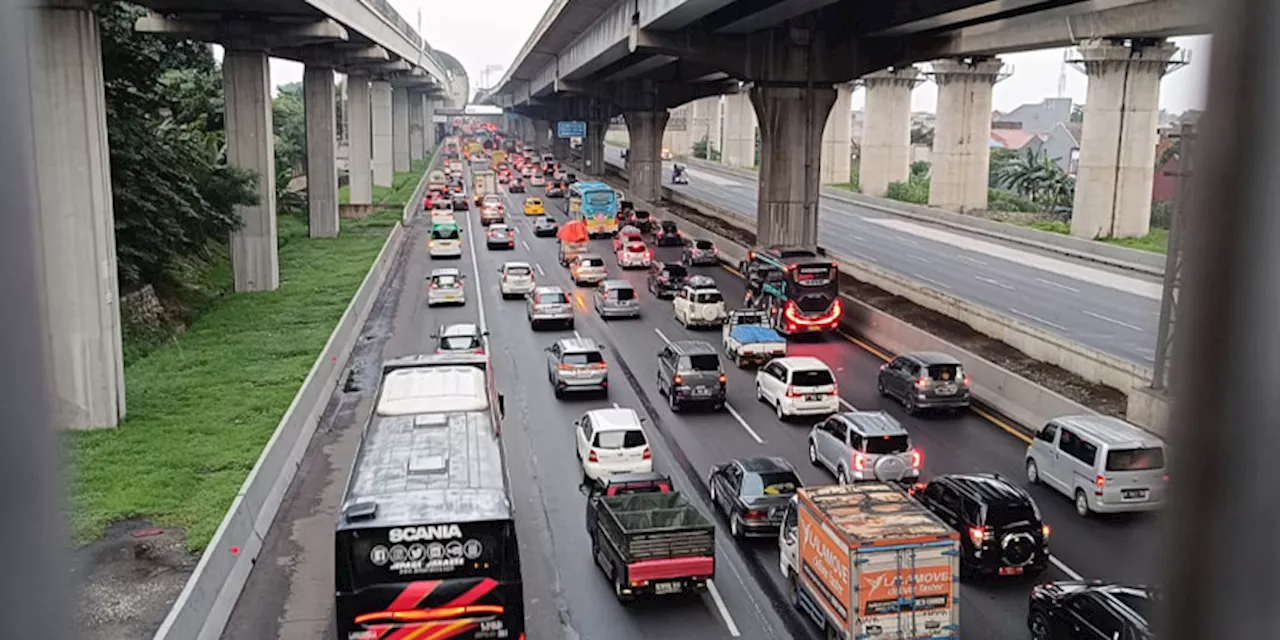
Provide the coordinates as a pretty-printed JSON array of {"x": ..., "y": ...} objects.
[{"x": 584, "y": 427}]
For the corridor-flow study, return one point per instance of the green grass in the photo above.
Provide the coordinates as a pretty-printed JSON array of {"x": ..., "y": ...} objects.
[
  {"x": 201, "y": 407},
  {"x": 402, "y": 186},
  {"x": 1054, "y": 226},
  {"x": 1156, "y": 241}
]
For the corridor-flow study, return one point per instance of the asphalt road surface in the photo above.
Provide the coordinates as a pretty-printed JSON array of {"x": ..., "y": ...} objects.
[
  {"x": 290, "y": 590},
  {"x": 1094, "y": 305}
]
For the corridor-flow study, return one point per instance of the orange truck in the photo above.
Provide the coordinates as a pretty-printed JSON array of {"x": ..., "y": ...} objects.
[{"x": 868, "y": 561}]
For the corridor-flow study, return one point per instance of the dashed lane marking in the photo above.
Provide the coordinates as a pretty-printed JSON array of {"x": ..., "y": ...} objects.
[{"x": 724, "y": 611}]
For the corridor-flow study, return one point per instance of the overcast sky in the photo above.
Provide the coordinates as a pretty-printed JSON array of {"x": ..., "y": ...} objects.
[{"x": 481, "y": 33}]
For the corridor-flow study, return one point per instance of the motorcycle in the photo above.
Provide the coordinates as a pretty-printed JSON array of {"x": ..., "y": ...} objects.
[{"x": 679, "y": 176}]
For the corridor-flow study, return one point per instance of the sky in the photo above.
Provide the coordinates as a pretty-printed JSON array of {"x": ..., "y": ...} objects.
[{"x": 484, "y": 33}]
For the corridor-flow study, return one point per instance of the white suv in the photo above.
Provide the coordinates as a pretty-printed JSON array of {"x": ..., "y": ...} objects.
[
  {"x": 517, "y": 279},
  {"x": 798, "y": 386},
  {"x": 696, "y": 305}
]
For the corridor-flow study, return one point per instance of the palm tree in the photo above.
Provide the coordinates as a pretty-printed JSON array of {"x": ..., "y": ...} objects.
[{"x": 1035, "y": 176}]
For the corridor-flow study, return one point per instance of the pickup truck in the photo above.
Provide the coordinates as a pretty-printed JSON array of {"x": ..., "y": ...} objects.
[
  {"x": 569, "y": 250},
  {"x": 749, "y": 340},
  {"x": 651, "y": 544}
]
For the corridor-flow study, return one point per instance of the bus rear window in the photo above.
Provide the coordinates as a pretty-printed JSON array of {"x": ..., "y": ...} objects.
[
  {"x": 429, "y": 551},
  {"x": 813, "y": 275},
  {"x": 599, "y": 198}
]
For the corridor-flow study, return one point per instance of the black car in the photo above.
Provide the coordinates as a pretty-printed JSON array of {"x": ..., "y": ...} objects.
[
  {"x": 925, "y": 380},
  {"x": 460, "y": 202},
  {"x": 1001, "y": 532},
  {"x": 545, "y": 226},
  {"x": 668, "y": 235},
  {"x": 700, "y": 253},
  {"x": 554, "y": 190},
  {"x": 570, "y": 178},
  {"x": 665, "y": 279},
  {"x": 515, "y": 186},
  {"x": 1072, "y": 610},
  {"x": 642, "y": 221},
  {"x": 753, "y": 493}
]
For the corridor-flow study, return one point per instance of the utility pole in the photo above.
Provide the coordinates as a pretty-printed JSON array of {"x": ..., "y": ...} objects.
[{"x": 1160, "y": 378}]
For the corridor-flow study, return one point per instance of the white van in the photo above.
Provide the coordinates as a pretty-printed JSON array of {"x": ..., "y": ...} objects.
[{"x": 1105, "y": 464}]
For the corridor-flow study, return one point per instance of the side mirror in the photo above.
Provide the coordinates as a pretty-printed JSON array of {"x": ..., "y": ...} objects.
[
  {"x": 485, "y": 332},
  {"x": 577, "y": 423},
  {"x": 502, "y": 406},
  {"x": 435, "y": 336}
]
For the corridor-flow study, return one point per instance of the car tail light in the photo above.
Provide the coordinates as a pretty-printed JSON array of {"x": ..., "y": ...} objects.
[
  {"x": 917, "y": 459},
  {"x": 1045, "y": 530},
  {"x": 648, "y": 453},
  {"x": 791, "y": 392},
  {"x": 966, "y": 381},
  {"x": 600, "y": 365},
  {"x": 723, "y": 378},
  {"x": 565, "y": 367},
  {"x": 1166, "y": 477},
  {"x": 755, "y": 515},
  {"x": 435, "y": 286},
  {"x": 678, "y": 380},
  {"x": 922, "y": 382},
  {"x": 1101, "y": 483},
  {"x": 978, "y": 535},
  {"x": 859, "y": 462},
  {"x": 592, "y": 456}
]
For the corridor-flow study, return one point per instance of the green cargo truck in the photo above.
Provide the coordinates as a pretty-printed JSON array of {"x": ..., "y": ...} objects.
[{"x": 652, "y": 544}]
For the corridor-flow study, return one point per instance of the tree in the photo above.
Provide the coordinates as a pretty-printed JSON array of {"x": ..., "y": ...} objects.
[
  {"x": 1077, "y": 113},
  {"x": 1036, "y": 177},
  {"x": 173, "y": 196},
  {"x": 705, "y": 150},
  {"x": 289, "y": 120},
  {"x": 999, "y": 159},
  {"x": 921, "y": 136}
]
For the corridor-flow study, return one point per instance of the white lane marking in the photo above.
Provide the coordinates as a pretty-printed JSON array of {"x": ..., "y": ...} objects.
[
  {"x": 857, "y": 238},
  {"x": 908, "y": 241},
  {"x": 525, "y": 245},
  {"x": 1111, "y": 320},
  {"x": 969, "y": 259},
  {"x": 475, "y": 268},
  {"x": 724, "y": 611},
  {"x": 1073, "y": 270},
  {"x": 615, "y": 406},
  {"x": 576, "y": 334},
  {"x": 540, "y": 271},
  {"x": 707, "y": 176},
  {"x": 930, "y": 281},
  {"x": 736, "y": 416},
  {"x": 1058, "y": 285},
  {"x": 848, "y": 405},
  {"x": 1064, "y": 568},
  {"x": 662, "y": 335},
  {"x": 921, "y": 260},
  {"x": 995, "y": 283},
  {"x": 1037, "y": 319}
]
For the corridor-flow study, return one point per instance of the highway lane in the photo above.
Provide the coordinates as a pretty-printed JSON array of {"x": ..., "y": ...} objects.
[
  {"x": 1094, "y": 305},
  {"x": 1110, "y": 548}
]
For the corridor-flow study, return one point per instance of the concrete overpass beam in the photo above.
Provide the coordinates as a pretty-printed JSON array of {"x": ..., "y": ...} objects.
[
  {"x": 251, "y": 145},
  {"x": 400, "y": 131},
  {"x": 361, "y": 171},
  {"x": 644, "y": 159},
  {"x": 960, "y": 173},
  {"x": 1118, "y": 140},
  {"x": 322, "y": 151},
  {"x": 380, "y": 121},
  {"x": 791, "y": 124},
  {"x": 739, "y": 131},
  {"x": 886, "y": 136},
  {"x": 76, "y": 227},
  {"x": 837, "y": 141},
  {"x": 417, "y": 110}
]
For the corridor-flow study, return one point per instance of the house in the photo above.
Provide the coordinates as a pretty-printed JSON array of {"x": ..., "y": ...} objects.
[{"x": 1037, "y": 118}]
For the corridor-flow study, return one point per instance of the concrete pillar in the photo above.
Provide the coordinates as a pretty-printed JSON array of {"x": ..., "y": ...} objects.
[
  {"x": 380, "y": 108},
  {"x": 739, "y": 131},
  {"x": 678, "y": 136},
  {"x": 559, "y": 146},
  {"x": 644, "y": 159},
  {"x": 593, "y": 147},
  {"x": 542, "y": 134},
  {"x": 251, "y": 145},
  {"x": 429, "y": 125},
  {"x": 76, "y": 226},
  {"x": 400, "y": 133},
  {"x": 416, "y": 125},
  {"x": 361, "y": 132},
  {"x": 791, "y": 124},
  {"x": 705, "y": 119},
  {"x": 960, "y": 171},
  {"x": 886, "y": 136},
  {"x": 1118, "y": 140},
  {"x": 322, "y": 152},
  {"x": 837, "y": 145}
]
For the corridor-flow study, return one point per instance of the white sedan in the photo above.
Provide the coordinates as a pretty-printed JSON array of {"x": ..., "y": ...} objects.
[
  {"x": 517, "y": 279},
  {"x": 446, "y": 286}
]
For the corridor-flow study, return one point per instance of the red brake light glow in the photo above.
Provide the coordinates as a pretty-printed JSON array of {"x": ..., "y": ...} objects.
[
  {"x": 648, "y": 453},
  {"x": 859, "y": 462},
  {"x": 917, "y": 458},
  {"x": 977, "y": 535},
  {"x": 592, "y": 456},
  {"x": 1045, "y": 530}
]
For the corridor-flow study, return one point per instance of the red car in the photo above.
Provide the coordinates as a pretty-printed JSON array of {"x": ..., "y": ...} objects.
[{"x": 622, "y": 239}]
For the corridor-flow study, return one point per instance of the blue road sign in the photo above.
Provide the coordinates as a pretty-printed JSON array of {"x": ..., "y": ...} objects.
[{"x": 571, "y": 129}]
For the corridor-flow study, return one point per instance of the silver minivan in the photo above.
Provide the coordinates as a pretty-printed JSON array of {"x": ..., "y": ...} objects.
[{"x": 1105, "y": 464}]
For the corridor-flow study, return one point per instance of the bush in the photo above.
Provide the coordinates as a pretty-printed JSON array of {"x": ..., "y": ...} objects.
[
  {"x": 1005, "y": 200},
  {"x": 915, "y": 190},
  {"x": 1161, "y": 215}
]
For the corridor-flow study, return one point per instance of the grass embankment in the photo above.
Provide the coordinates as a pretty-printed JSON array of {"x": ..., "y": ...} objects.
[
  {"x": 401, "y": 189},
  {"x": 1157, "y": 241},
  {"x": 201, "y": 407}
]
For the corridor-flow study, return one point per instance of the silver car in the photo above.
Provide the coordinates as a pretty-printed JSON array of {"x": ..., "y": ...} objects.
[
  {"x": 864, "y": 445},
  {"x": 616, "y": 299},
  {"x": 577, "y": 364},
  {"x": 587, "y": 268},
  {"x": 446, "y": 286},
  {"x": 549, "y": 304},
  {"x": 1104, "y": 464}
]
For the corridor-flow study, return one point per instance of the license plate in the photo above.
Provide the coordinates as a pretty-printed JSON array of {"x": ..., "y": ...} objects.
[
  {"x": 701, "y": 391},
  {"x": 946, "y": 389},
  {"x": 661, "y": 588},
  {"x": 1133, "y": 494},
  {"x": 1010, "y": 571},
  {"x": 814, "y": 398}
]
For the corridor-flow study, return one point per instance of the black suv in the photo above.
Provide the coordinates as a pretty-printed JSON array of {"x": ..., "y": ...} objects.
[
  {"x": 1072, "y": 610},
  {"x": 1001, "y": 532},
  {"x": 689, "y": 372},
  {"x": 664, "y": 279}
]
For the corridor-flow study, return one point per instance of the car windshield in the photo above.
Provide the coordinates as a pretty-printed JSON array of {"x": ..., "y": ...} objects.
[
  {"x": 590, "y": 357},
  {"x": 623, "y": 294},
  {"x": 944, "y": 372},
  {"x": 1148, "y": 459},
  {"x": 553, "y": 298},
  {"x": 1001, "y": 515},
  {"x": 668, "y": 226},
  {"x": 708, "y": 297},
  {"x": 460, "y": 343},
  {"x": 887, "y": 444},
  {"x": 773, "y": 483},
  {"x": 703, "y": 245},
  {"x": 592, "y": 262},
  {"x": 704, "y": 362},
  {"x": 534, "y": 203},
  {"x": 445, "y": 281},
  {"x": 620, "y": 439},
  {"x": 444, "y": 233},
  {"x": 518, "y": 271},
  {"x": 675, "y": 271},
  {"x": 812, "y": 378}
]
